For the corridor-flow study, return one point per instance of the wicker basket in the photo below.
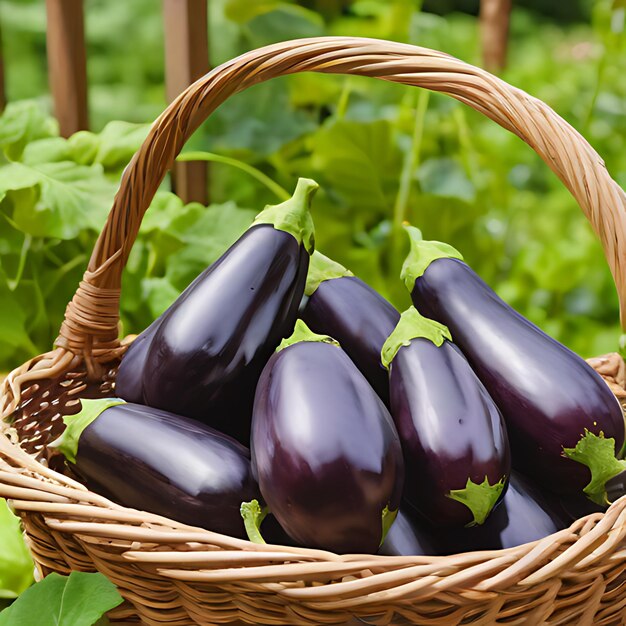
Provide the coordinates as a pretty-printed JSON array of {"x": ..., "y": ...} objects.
[{"x": 169, "y": 573}]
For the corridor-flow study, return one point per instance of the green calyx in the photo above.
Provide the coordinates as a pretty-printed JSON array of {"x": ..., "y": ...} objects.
[
  {"x": 388, "y": 518},
  {"x": 68, "y": 442},
  {"x": 253, "y": 516},
  {"x": 322, "y": 268},
  {"x": 302, "y": 332},
  {"x": 597, "y": 452},
  {"x": 293, "y": 216},
  {"x": 479, "y": 498},
  {"x": 412, "y": 325},
  {"x": 422, "y": 254}
]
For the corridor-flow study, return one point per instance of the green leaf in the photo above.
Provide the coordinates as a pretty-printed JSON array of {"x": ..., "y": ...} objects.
[
  {"x": 445, "y": 177},
  {"x": 286, "y": 21},
  {"x": 206, "y": 234},
  {"x": 48, "y": 150},
  {"x": 411, "y": 326},
  {"x": 67, "y": 442},
  {"x": 253, "y": 516},
  {"x": 13, "y": 331},
  {"x": 359, "y": 161},
  {"x": 478, "y": 498},
  {"x": 79, "y": 599},
  {"x": 322, "y": 268},
  {"x": 301, "y": 333},
  {"x": 597, "y": 452},
  {"x": 83, "y": 147},
  {"x": 69, "y": 197},
  {"x": 118, "y": 142},
  {"x": 275, "y": 123},
  {"x": 159, "y": 293},
  {"x": 21, "y": 123},
  {"x": 16, "y": 565},
  {"x": 164, "y": 209}
]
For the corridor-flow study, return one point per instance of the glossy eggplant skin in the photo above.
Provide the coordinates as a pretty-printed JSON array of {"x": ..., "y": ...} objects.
[
  {"x": 524, "y": 515},
  {"x": 129, "y": 379},
  {"x": 449, "y": 427},
  {"x": 407, "y": 537},
  {"x": 360, "y": 319},
  {"x": 547, "y": 394},
  {"x": 166, "y": 464},
  {"x": 207, "y": 354},
  {"x": 324, "y": 449}
]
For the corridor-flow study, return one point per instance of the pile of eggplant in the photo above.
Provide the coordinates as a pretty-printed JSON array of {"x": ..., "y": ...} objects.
[{"x": 281, "y": 399}]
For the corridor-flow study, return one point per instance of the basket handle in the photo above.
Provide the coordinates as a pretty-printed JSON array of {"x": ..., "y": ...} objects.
[{"x": 92, "y": 317}]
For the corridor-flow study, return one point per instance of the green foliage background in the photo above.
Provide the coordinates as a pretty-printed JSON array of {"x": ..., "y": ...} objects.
[{"x": 381, "y": 152}]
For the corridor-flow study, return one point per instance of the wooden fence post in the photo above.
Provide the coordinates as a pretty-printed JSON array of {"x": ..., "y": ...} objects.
[
  {"x": 495, "y": 16},
  {"x": 67, "y": 64},
  {"x": 186, "y": 60}
]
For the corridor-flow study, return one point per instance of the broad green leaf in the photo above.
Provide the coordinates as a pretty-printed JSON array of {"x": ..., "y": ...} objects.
[
  {"x": 83, "y": 147},
  {"x": 12, "y": 320},
  {"x": 206, "y": 234},
  {"x": 21, "y": 123},
  {"x": 70, "y": 198},
  {"x": 159, "y": 293},
  {"x": 16, "y": 565},
  {"x": 445, "y": 177},
  {"x": 118, "y": 142},
  {"x": 164, "y": 208},
  {"x": 79, "y": 599},
  {"x": 274, "y": 124},
  {"x": 47, "y": 150},
  {"x": 358, "y": 160},
  {"x": 286, "y": 21}
]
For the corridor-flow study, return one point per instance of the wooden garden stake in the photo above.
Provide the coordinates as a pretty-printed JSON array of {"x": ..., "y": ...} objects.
[
  {"x": 186, "y": 60},
  {"x": 67, "y": 64},
  {"x": 494, "y": 31}
]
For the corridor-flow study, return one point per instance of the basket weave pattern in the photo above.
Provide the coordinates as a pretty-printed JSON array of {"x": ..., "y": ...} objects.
[{"x": 175, "y": 574}]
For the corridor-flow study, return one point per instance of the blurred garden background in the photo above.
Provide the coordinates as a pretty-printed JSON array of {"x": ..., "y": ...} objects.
[{"x": 381, "y": 152}]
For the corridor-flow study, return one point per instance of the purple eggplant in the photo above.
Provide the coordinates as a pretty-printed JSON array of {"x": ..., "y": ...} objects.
[
  {"x": 456, "y": 450},
  {"x": 524, "y": 515},
  {"x": 324, "y": 447},
  {"x": 346, "y": 308},
  {"x": 159, "y": 462},
  {"x": 407, "y": 537},
  {"x": 208, "y": 352},
  {"x": 564, "y": 423},
  {"x": 129, "y": 379}
]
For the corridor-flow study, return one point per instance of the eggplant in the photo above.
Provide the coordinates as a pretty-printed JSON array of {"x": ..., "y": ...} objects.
[
  {"x": 346, "y": 308},
  {"x": 324, "y": 448},
  {"x": 564, "y": 423},
  {"x": 208, "y": 352},
  {"x": 456, "y": 451},
  {"x": 407, "y": 537},
  {"x": 524, "y": 515},
  {"x": 155, "y": 461},
  {"x": 129, "y": 379}
]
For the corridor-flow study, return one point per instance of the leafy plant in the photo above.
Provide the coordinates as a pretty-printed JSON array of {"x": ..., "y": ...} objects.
[
  {"x": 79, "y": 599},
  {"x": 16, "y": 566}
]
